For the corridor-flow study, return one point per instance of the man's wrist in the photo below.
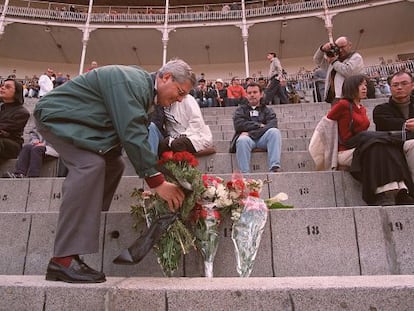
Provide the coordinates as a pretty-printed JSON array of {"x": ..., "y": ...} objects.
[{"x": 155, "y": 180}]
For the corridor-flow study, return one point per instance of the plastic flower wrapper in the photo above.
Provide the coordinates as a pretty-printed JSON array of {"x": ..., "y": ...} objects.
[
  {"x": 249, "y": 216},
  {"x": 248, "y": 226},
  {"x": 177, "y": 239},
  {"x": 214, "y": 202},
  {"x": 207, "y": 234}
]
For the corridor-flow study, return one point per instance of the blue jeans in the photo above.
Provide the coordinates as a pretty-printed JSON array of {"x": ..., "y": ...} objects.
[
  {"x": 271, "y": 141},
  {"x": 154, "y": 137},
  {"x": 30, "y": 160},
  {"x": 206, "y": 102}
]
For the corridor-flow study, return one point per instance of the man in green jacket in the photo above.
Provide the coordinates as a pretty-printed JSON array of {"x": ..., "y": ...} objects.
[{"x": 88, "y": 120}]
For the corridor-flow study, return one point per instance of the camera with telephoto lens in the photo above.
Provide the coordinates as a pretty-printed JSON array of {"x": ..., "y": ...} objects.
[{"x": 333, "y": 51}]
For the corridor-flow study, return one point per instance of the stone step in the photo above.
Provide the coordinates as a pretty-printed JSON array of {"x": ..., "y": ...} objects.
[
  {"x": 305, "y": 190},
  {"x": 288, "y": 144},
  {"x": 296, "y": 242},
  {"x": 225, "y": 163},
  {"x": 391, "y": 292},
  {"x": 218, "y": 163}
]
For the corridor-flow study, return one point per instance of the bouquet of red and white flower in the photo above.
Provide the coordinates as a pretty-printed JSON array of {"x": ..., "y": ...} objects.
[
  {"x": 176, "y": 239},
  {"x": 196, "y": 224},
  {"x": 208, "y": 214},
  {"x": 249, "y": 217}
]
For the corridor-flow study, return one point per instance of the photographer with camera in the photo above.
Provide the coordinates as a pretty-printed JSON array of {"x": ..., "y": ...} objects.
[{"x": 340, "y": 62}]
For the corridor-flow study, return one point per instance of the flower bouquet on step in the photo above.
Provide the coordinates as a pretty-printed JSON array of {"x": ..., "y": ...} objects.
[
  {"x": 207, "y": 217},
  {"x": 249, "y": 219},
  {"x": 176, "y": 239}
]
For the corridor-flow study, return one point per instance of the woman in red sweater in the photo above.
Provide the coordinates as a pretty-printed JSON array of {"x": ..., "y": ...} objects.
[
  {"x": 378, "y": 160},
  {"x": 354, "y": 91}
]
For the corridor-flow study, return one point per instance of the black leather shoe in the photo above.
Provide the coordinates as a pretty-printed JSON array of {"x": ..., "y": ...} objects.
[
  {"x": 77, "y": 272},
  {"x": 275, "y": 169},
  {"x": 403, "y": 198},
  {"x": 384, "y": 199}
]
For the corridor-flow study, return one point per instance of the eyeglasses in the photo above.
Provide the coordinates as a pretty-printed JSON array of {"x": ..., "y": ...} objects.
[
  {"x": 181, "y": 92},
  {"x": 402, "y": 84}
]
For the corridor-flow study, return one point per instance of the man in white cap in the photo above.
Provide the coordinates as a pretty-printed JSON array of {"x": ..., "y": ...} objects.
[{"x": 221, "y": 93}]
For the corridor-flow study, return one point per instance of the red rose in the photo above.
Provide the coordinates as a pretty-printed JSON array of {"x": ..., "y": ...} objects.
[
  {"x": 167, "y": 155},
  {"x": 203, "y": 213},
  {"x": 254, "y": 194}
]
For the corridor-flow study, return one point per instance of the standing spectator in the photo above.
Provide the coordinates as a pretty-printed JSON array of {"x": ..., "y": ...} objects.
[
  {"x": 13, "y": 119},
  {"x": 398, "y": 113},
  {"x": 256, "y": 127},
  {"x": 108, "y": 111},
  {"x": 319, "y": 76},
  {"x": 236, "y": 94},
  {"x": 45, "y": 83},
  {"x": 273, "y": 85},
  {"x": 340, "y": 62}
]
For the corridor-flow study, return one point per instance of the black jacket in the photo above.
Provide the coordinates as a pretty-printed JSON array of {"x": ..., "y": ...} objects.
[
  {"x": 13, "y": 117},
  {"x": 387, "y": 117},
  {"x": 245, "y": 121}
]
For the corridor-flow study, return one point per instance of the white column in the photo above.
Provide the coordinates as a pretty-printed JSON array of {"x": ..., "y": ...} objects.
[
  {"x": 328, "y": 21},
  {"x": 2, "y": 17},
  {"x": 165, "y": 37},
  {"x": 245, "y": 37},
  {"x": 85, "y": 37}
]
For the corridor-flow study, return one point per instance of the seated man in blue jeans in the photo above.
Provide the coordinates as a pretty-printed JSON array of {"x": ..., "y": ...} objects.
[{"x": 256, "y": 127}]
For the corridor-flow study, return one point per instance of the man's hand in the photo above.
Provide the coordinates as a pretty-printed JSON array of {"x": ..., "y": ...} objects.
[
  {"x": 326, "y": 47},
  {"x": 331, "y": 59},
  {"x": 409, "y": 125},
  {"x": 172, "y": 194}
]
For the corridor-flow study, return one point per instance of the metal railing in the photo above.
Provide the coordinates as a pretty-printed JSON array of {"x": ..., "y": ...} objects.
[
  {"x": 385, "y": 70},
  {"x": 157, "y": 18}
]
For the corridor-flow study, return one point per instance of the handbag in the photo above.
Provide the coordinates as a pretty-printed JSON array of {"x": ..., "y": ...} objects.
[{"x": 233, "y": 142}]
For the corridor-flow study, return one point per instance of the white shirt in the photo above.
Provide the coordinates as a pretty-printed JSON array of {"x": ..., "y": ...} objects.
[
  {"x": 45, "y": 84},
  {"x": 187, "y": 119}
]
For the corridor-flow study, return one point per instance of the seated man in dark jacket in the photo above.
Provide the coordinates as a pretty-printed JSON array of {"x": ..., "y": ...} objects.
[
  {"x": 398, "y": 113},
  {"x": 13, "y": 119},
  {"x": 256, "y": 127}
]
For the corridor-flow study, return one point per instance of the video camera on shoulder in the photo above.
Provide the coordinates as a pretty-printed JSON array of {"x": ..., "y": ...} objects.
[{"x": 333, "y": 51}]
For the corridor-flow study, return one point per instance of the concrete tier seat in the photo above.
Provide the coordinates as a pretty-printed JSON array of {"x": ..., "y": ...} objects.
[
  {"x": 305, "y": 190},
  {"x": 158, "y": 294},
  {"x": 332, "y": 241},
  {"x": 390, "y": 292}
]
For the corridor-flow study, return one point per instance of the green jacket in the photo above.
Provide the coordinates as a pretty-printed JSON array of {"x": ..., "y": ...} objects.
[{"x": 101, "y": 110}]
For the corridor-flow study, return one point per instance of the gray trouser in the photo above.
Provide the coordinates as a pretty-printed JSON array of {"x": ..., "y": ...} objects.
[{"x": 88, "y": 189}]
